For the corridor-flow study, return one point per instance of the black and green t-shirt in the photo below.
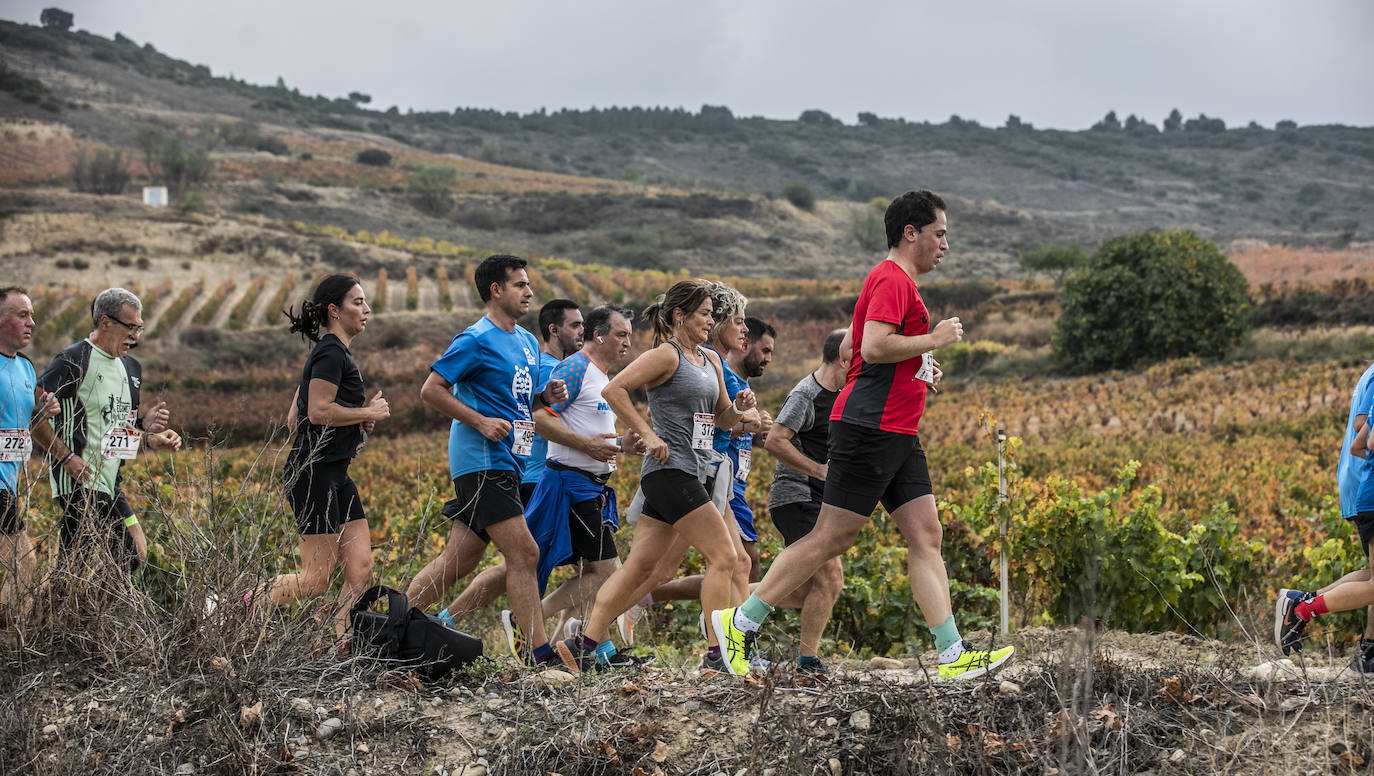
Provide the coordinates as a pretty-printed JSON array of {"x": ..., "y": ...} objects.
[{"x": 97, "y": 392}]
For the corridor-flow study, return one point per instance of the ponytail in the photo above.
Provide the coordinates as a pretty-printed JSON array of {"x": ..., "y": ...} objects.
[
  {"x": 314, "y": 312},
  {"x": 685, "y": 295}
]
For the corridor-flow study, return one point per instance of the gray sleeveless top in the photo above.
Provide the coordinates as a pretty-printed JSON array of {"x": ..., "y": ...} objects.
[{"x": 690, "y": 390}]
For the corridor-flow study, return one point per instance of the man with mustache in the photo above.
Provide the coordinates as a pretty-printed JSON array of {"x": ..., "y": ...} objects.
[{"x": 97, "y": 385}]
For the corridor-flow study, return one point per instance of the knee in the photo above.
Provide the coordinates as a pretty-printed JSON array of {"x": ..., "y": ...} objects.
[
  {"x": 359, "y": 571},
  {"x": 524, "y": 556},
  {"x": 830, "y": 578},
  {"x": 725, "y": 562}
]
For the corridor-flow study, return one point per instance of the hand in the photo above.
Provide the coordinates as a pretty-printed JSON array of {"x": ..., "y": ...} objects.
[
  {"x": 766, "y": 419},
  {"x": 156, "y": 418},
  {"x": 824, "y": 472},
  {"x": 744, "y": 400},
  {"x": 166, "y": 440},
  {"x": 381, "y": 410},
  {"x": 494, "y": 429},
  {"x": 948, "y": 332},
  {"x": 555, "y": 392},
  {"x": 935, "y": 380},
  {"x": 368, "y": 425},
  {"x": 655, "y": 447},
  {"x": 750, "y": 420},
  {"x": 47, "y": 405},
  {"x": 632, "y": 442},
  {"x": 602, "y": 448},
  {"x": 77, "y": 468}
]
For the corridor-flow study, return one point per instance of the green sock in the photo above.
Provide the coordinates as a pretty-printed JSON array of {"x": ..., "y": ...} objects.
[
  {"x": 946, "y": 634},
  {"x": 755, "y": 610}
]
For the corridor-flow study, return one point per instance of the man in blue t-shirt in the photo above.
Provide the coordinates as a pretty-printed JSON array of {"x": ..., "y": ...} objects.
[
  {"x": 19, "y": 394},
  {"x": 741, "y": 366},
  {"x": 560, "y": 327},
  {"x": 485, "y": 383}
]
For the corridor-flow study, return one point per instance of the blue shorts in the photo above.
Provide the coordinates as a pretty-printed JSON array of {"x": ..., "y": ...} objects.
[{"x": 743, "y": 514}]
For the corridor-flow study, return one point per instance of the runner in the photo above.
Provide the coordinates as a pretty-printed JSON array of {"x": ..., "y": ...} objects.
[
  {"x": 743, "y": 365},
  {"x": 1294, "y": 609},
  {"x": 331, "y": 418},
  {"x": 573, "y": 512},
  {"x": 1350, "y": 470},
  {"x": 800, "y": 440},
  {"x": 875, "y": 454},
  {"x": 485, "y": 383},
  {"x": 20, "y": 396},
  {"x": 687, "y": 401},
  {"x": 97, "y": 384}
]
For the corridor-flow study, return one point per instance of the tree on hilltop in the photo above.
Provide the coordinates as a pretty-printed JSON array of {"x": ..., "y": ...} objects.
[
  {"x": 1174, "y": 122},
  {"x": 56, "y": 19},
  {"x": 359, "y": 98},
  {"x": 1109, "y": 123},
  {"x": 1151, "y": 296}
]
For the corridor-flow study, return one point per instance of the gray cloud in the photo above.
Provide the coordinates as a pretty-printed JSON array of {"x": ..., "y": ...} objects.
[{"x": 1060, "y": 63}]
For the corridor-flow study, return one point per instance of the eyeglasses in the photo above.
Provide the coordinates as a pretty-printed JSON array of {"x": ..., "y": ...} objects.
[{"x": 132, "y": 327}]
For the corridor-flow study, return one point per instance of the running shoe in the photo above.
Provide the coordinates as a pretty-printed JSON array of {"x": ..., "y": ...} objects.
[
  {"x": 712, "y": 666},
  {"x": 515, "y": 635},
  {"x": 578, "y": 659},
  {"x": 1288, "y": 626},
  {"x": 1363, "y": 660},
  {"x": 973, "y": 663},
  {"x": 572, "y": 627},
  {"x": 626, "y": 623},
  {"x": 736, "y": 646},
  {"x": 813, "y": 668}
]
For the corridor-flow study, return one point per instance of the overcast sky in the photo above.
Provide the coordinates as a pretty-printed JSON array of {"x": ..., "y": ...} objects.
[{"x": 1054, "y": 63}]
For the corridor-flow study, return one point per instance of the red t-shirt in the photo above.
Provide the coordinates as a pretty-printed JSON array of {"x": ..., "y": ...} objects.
[{"x": 885, "y": 396}]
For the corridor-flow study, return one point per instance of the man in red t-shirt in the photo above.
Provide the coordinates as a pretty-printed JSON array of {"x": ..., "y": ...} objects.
[{"x": 875, "y": 454}]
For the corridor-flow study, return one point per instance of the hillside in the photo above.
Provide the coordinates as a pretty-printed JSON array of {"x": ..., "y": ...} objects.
[{"x": 670, "y": 189}]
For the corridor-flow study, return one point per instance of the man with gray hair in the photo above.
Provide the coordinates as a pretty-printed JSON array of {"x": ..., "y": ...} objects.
[{"x": 97, "y": 385}]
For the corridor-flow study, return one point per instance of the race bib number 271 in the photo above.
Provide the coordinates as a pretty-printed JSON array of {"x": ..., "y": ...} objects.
[{"x": 121, "y": 443}]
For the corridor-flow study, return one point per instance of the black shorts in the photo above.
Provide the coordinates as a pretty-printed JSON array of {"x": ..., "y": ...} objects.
[
  {"x": 1364, "y": 524},
  {"x": 93, "y": 517},
  {"x": 592, "y": 539},
  {"x": 526, "y": 491},
  {"x": 670, "y": 494},
  {"x": 323, "y": 498},
  {"x": 867, "y": 466},
  {"x": 795, "y": 520},
  {"x": 11, "y": 522},
  {"x": 483, "y": 499}
]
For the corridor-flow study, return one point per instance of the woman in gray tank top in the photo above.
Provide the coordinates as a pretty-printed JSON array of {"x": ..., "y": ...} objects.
[{"x": 688, "y": 401}]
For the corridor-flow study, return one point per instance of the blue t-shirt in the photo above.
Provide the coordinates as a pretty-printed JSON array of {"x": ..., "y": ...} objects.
[
  {"x": 1364, "y": 495},
  {"x": 722, "y": 441},
  {"x": 1350, "y": 471},
  {"x": 534, "y": 462},
  {"x": 493, "y": 372},
  {"x": 17, "y": 383}
]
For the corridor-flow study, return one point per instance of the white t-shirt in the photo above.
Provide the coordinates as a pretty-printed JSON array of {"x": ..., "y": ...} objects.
[{"x": 584, "y": 412}]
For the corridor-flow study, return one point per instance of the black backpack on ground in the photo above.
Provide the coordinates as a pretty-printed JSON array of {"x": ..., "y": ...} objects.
[{"x": 408, "y": 636}]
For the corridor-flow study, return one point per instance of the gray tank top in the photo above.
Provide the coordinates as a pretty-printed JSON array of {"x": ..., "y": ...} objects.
[{"x": 673, "y": 404}]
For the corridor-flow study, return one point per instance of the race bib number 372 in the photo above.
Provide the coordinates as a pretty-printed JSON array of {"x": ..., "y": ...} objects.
[
  {"x": 703, "y": 430},
  {"x": 15, "y": 445}
]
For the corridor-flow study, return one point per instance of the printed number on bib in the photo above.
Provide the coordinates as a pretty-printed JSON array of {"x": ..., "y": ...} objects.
[
  {"x": 15, "y": 445},
  {"x": 927, "y": 370},
  {"x": 524, "y": 437},
  {"x": 121, "y": 443},
  {"x": 745, "y": 457},
  {"x": 703, "y": 430}
]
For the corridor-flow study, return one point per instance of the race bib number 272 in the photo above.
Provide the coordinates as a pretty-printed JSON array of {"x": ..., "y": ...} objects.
[{"x": 15, "y": 445}]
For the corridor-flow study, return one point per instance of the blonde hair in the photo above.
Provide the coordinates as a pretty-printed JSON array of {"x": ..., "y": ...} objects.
[
  {"x": 685, "y": 295},
  {"x": 726, "y": 303}
]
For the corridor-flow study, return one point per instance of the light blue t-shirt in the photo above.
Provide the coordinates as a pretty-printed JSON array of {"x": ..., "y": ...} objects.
[
  {"x": 534, "y": 462},
  {"x": 493, "y": 372},
  {"x": 1364, "y": 494},
  {"x": 17, "y": 383},
  {"x": 1351, "y": 470}
]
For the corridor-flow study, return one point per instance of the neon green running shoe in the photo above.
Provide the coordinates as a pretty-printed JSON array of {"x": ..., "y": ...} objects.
[
  {"x": 973, "y": 663},
  {"x": 735, "y": 644}
]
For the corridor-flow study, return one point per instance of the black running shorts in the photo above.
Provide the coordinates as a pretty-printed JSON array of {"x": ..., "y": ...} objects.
[
  {"x": 592, "y": 539},
  {"x": 483, "y": 499},
  {"x": 10, "y": 521},
  {"x": 1364, "y": 523},
  {"x": 323, "y": 497},
  {"x": 670, "y": 494},
  {"x": 795, "y": 520},
  {"x": 90, "y": 516},
  {"x": 868, "y": 466}
]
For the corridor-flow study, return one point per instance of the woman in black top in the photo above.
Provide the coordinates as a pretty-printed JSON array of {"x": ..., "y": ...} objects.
[{"x": 331, "y": 421}]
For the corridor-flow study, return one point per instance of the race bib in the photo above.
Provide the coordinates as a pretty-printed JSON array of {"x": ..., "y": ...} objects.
[
  {"x": 524, "y": 437},
  {"x": 121, "y": 443},
  {"x": 703, "y": 430},
  {"x": 15, "y": 445},
  {"x": 745, "y": 457},
  {"x": 927, "y": 370}
]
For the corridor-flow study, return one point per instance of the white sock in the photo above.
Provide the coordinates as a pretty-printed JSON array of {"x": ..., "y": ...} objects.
[
  {"x": 744, "y": 623},
  {"x": 952, "y": 652}
]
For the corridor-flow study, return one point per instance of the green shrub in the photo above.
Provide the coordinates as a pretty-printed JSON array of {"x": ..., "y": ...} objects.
[
  {"x": 800, "y": 195},
  {"x": 1151, "y": 296},
  {"x": 374, "y": 157},
  {"x": 100, "y": 172}
]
